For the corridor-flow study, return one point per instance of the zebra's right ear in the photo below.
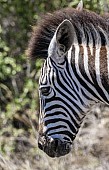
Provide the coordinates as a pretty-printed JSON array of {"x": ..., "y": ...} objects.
[
  {"x": 64, "y": 37},
  {"x": 62, "y": 41}
]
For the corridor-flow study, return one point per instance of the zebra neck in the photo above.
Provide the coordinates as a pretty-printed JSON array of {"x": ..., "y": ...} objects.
[{"x": 91, "y": 67}]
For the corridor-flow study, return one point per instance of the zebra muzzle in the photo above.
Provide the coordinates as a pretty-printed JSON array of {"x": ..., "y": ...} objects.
[{"x": 54, "y": 147}]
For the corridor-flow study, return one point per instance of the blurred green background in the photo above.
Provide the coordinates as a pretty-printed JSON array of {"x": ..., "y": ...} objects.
[{"x": 19, "y": 103}]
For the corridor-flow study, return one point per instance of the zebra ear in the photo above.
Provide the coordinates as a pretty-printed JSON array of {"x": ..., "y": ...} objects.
[
  {"x": 80, "y": 6},
  {"x": 64, "y": 37}
]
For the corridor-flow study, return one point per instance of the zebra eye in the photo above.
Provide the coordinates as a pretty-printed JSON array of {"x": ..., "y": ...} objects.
[{"x": 45, "y": 91}]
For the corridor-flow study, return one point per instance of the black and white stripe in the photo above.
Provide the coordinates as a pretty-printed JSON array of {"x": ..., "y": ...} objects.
[{"x": 75, "y": 84}]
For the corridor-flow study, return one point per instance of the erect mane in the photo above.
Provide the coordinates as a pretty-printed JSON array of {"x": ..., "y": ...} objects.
[{"x": 43, "y": 33}]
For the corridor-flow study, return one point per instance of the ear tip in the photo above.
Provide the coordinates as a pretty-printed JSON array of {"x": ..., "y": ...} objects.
[{"x": 80, "y": 6}]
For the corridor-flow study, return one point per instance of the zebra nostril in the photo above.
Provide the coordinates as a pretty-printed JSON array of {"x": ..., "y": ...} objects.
[
  {"x": 68, "y": 146},
  {"x": 40, "y": 146}
]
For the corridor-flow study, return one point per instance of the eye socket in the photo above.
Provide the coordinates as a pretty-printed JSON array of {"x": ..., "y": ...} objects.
[{"x": 45, "y": 91}]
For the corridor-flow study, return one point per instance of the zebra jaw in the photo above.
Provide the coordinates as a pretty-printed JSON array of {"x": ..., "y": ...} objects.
[{"x": 54, "y": 147}]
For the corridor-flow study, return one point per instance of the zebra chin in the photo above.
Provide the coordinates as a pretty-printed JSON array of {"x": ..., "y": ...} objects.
[{"x": 54, "y": 147}]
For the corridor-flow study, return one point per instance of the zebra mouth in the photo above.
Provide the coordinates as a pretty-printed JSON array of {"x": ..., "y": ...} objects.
[{"x": 55, "y": 147}]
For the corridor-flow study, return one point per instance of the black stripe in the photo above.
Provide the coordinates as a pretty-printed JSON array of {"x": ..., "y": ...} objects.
[
  {"x": 66, "y": 104},
  {"x": 67, "y": 68},
  {"x": 71, "y": 109},
  {"x": 55, "y": 113},
  {"x": 56, "y": 127},
  {"x": 81, "y": 81},
  {"x": 65, "y": 89},
  {"x": 85, "y": 95},
  {"x": 67, "y": 133},
  {"x": 62, "y": 120},
  {"x": 103, "y": 40},
  {"x": 74, "y": 89}
]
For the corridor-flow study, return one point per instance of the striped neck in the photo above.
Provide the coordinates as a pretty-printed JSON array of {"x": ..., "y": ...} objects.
[{"x": 90, "y": 66}]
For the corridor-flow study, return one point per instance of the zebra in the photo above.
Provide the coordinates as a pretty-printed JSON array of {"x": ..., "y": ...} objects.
[{"x": 74, "y": 76}]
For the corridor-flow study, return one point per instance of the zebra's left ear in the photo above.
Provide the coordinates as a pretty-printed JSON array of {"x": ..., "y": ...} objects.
[
  {"x": 64, "y": 37},
  {"x": 80, "y": 6}
]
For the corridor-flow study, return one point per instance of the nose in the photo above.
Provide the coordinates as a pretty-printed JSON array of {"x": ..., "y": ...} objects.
[{"x": 54, "y": 147}]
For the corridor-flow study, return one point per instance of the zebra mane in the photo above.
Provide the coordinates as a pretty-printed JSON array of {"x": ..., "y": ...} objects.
[{"x": 88, "y": 21}]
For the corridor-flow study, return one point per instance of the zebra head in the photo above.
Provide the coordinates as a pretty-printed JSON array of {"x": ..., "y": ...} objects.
[
  {"x": 75, "y": 74},
  {"x": 60, "y": 103}
]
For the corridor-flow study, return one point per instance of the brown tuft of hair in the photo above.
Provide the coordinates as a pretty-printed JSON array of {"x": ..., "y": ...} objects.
[{"x": 43, "y": 33}]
